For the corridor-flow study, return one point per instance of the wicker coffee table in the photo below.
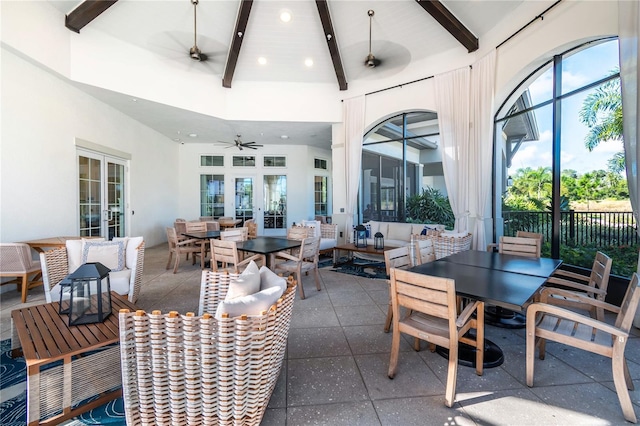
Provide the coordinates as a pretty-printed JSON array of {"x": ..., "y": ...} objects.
[
  {"x": 351, "y": 248},
  {"x": 67, "y": 365}
]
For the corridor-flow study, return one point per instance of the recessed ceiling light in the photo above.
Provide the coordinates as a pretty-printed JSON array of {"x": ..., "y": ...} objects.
[
  {"x": 134, "y": 99},
  {"x": 176, "y": 139},
  {"x": 262, "y": 60},
  {"x": 284, "y": 137},
  {"x": 308, "y": 62},
  {"x": 285, "y": 15},
  {"x": 193, "y": 135}
]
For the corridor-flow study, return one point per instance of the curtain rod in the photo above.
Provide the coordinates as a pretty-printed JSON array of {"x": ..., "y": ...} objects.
[{"x": 540, "y": 16}]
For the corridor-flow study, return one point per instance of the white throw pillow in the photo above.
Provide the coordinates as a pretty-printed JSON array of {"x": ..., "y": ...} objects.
[
  {"x": 109, "y": 253},
  {"x": 269, "y": 279},
  {"x": 131, "y": 246},
  {"x": 248, "y": 282},
  {"x": 252, "y": 304},
  {"x": 74, "y": 252}
]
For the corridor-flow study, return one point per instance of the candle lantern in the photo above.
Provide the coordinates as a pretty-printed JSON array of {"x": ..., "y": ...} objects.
[
  {"x": 360, "y": 236},
  {"x": 89, "y": 294},
  {"x": 378, "y": 241}
]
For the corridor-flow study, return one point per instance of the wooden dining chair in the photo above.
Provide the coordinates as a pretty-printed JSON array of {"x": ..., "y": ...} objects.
[
  {"x": 433, "y": 317},
  {"x": 548, "y": 322},
  {"x": 181, "y": 247},
  {"x": 235, "y": 234},
  {"x": 306, "y": 260},
  {"x": 226, "y": 252},
  {"x": 252, "y": 228},
  {"x": 395, "y": 258},
  {"x": 423, "y": 251},
  {"x": 593, "y": 285}
]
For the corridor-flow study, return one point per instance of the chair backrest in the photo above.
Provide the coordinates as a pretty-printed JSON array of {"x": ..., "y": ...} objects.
[
  {"x": 299, "y": 232},
  {"x": 223, "y": 218},
  {"x": 15, "y": 257},
  {"x": 180, "y": 227},
  {"x": 424, "y": 251},
  {"x": 224, "y": 251},
  {"x": 398, "y": 258},
  {"x": 527, "y": 234},
  {"x": 433, "y": 296},
  {"x": 196, "y": 226},
  {"x": 234, "y": 234},
  {"x": 600, "y": 271},
  {"x": 629, "y": 304},
  {"x": 252, "y": 228},
  {"x": 172, "y": 238},
  {"x": 520, "y": 246},
  {"x": 309, "y": 249},
  {"x": 212, "y": 225},
  {"x": 206, "y": 219}
]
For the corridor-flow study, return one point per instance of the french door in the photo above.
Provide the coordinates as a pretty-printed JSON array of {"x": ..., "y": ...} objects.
[
  {"x": 244, "y": 198},
  {"x": 101, "y": 195}
]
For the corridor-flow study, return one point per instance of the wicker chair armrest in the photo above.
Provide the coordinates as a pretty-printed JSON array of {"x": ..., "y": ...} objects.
[{"x": 55, "y": 266}]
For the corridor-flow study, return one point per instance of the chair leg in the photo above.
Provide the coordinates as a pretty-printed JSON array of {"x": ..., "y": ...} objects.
[
  {"x": 479, "y": 325},
  {"x": 169, "y": 261},
  {"x": 25, "y": 287},
  {"x": 177, "y": 262},
  {"x": 387, "y": 322},
  {"x": 627, "y": 376},
  {"x": 452, "y": 374},
  {"x": 617, "y": 365},
  {"x": 317, "y": 277},
  {"x": 299, "y": 278},
  {"x": 395, "y": 349},
  {"x": 530, "y": 349}
]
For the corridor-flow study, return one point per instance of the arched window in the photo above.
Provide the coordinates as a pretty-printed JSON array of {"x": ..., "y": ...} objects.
[
  {"x": 400, "y": 157},
  {"x": 558, "y": 151}
]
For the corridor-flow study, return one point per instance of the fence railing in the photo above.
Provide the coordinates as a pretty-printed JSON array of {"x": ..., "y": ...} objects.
[{"x": 577, "y": 228}]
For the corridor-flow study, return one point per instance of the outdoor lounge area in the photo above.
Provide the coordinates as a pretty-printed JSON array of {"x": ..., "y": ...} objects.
[{"x": 335, "y": 367}]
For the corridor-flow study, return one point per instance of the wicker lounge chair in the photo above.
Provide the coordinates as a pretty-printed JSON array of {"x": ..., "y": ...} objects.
[{"x": 188, "y": 369}]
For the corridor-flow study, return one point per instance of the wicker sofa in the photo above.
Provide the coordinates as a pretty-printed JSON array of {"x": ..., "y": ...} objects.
[
  {"x": 397, "y": 234},
  {"x": 57, "y": 264}
]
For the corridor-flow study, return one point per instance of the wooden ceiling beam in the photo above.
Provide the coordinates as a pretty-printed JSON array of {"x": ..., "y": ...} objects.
[
  {"x": 236, "y": 42},
  {"x": 332, "y": 43},
  {"x": 449, "y": 22},
  {"x": 86, "y": 12}
]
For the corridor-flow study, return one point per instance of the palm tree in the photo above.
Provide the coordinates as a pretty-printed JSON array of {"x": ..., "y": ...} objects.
[{"x": 602, "y": 112}]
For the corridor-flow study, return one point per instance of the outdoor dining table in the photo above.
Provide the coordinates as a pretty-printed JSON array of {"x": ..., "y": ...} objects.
[
  {"x": 498, "y": 279},
  {"x": 268, "y": 246}
]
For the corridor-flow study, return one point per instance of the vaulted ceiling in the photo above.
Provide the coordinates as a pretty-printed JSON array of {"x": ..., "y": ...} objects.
[{"x": 332, "y": 37}]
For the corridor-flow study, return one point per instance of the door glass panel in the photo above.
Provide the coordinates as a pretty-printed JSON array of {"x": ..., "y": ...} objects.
[
  {"x": 115, "y": 200},
  {"x": 244, "y": 199},
  {"x": 90, "y": 196},
  {"x": 275, "y": 202},
  {"x": 212, "y": 195}
]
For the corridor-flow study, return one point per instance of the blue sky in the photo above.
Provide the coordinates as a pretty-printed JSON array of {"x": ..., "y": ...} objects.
[{"x": 579, "y": 69}]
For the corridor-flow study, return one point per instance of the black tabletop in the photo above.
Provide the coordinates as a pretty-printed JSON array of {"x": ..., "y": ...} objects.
[
  {"x": 537, "y": 266},
  {"x": 267, "y": 245},
  {"x": 507, "y": 289},
  {"x": 202, "y": 235}
]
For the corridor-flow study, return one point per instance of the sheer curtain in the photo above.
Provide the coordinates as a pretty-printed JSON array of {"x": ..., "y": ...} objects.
[
  {"x": 481, "y": 147},
  {"x": 629, "y": 32},
  {"x": 452, "y": 105},
  {"x": 353, "y": 119}
]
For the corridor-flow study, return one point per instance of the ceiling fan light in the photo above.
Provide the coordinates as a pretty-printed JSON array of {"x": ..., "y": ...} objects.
[
  {"x": 195, "y": 53},
  {"x": 371, "y": 61}
]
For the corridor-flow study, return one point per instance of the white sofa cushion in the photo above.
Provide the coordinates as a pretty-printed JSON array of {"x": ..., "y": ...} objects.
[
  {"x": 327, "y": 243},
  {"x": 131, "y": 253},
  {"x": 269, "y": 279},
  {"x": 399, "y": 231},
  {"x": 74, "y": 252},
  {"x": 119, "y": 281}
]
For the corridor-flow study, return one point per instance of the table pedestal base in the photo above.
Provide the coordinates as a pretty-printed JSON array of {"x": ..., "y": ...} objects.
[
  {"x": 493, "y": 356},
  {"x": 505, "y": 318}
]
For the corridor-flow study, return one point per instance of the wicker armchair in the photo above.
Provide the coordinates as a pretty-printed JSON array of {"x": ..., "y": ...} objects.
[
  {"x": 16, "y": 261},
  {"x": 445, "y": 244},
  {"x": 55, "y": 267},
  {"x": 187, "y": 369}
]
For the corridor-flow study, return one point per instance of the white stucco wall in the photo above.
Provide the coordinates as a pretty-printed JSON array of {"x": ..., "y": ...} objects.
[{"x": 42, "y": 115}]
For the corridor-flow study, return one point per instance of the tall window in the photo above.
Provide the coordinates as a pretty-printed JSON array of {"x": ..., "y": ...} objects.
[
  {"x": 399, "y": 157},
  {"x": 212, "y": 195},
  {"x": 275, "y": 201},
  {"x": 320, "y": 195},
  {"x": 562, "y": 171}
]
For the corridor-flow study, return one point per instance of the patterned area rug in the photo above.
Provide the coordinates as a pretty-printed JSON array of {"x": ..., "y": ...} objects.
[
  {"x": 363, "y": 268},
  {"x": 13, "y": 396}
]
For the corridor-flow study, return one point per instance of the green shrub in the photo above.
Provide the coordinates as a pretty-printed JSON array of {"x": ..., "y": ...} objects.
[{"x": 430, "y": 207}]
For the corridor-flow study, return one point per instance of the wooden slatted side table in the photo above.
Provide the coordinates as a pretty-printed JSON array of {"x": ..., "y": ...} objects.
[{"x": 67, "y": 365}]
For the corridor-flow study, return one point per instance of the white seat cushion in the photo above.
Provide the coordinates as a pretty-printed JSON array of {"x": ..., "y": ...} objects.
[
  {"x": 327, "y": 243},
  {"x": 118, "y": 282},
  {"x": 252, "y": 304}
]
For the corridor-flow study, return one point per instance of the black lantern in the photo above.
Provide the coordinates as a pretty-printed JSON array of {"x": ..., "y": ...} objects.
[
  {"x": 360, "y": 236},
  {"x": 378, "y": 241},
  {"x": 90, "y": 294}
]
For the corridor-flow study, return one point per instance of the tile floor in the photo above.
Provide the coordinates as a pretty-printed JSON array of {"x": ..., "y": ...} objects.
[{"x": 335, "y": 371}]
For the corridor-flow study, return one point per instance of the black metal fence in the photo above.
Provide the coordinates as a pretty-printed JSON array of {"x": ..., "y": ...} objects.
[{"x": 577, "y": 228}]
